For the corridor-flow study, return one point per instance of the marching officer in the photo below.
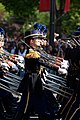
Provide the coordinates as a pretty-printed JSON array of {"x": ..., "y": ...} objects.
[{"x": 38, "y": 101}]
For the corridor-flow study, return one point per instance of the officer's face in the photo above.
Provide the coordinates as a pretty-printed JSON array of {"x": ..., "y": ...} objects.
[
  {"x": 43, "y": 42},
  {"x": 1, "y": 44},
  {"x": 36, "y": 42}
]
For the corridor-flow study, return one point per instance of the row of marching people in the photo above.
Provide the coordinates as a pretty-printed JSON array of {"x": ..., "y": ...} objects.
[
  {"x": 10, "y": 67},
  {"x": 70, "y": 109},
  {"x": 41, "y": 85},
  {"x": 34, "y": 93}
]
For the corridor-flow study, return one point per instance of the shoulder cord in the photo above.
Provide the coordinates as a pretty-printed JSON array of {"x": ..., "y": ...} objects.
[
  {"x": 27, "y": 101},
  {"x": 70, "y": 108},
  {"x": 66, "y": 105},
  {"x": 28, "y": 96},
  {"x": 74, "y": 113}
]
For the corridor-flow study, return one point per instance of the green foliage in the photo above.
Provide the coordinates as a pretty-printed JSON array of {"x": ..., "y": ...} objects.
[
  {"x": 43, "y": 17},
  {"x": 3, "y": 13},
  {"x": 71, "y": 20},
  {"x": 27, "y": 12},
  {"x": 21, "y": 8},
  {"x": 40, "y": 17}
]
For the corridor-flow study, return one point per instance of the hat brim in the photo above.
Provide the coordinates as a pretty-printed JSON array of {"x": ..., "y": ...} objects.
[
  {"x": 35, "y": 36},
  {"x": 32, "y": 35},
  {"x": 76, "y": 36}
]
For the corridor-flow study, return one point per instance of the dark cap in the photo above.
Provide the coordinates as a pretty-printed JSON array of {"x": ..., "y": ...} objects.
[
  {"x": 2, "y": 32},
  {"x": 78, "y": 29},
  {"x": 39, "y": 30},
  {"x": 76, "y": 33},
  {"x": 42, "y": 28},
  {"x": 32, "y": 34}
]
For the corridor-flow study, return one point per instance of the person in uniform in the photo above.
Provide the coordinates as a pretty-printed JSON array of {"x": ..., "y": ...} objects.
[
  {"x": 10, "y": 62},
  {"x": 35, "y": 100},
  {"x": 39, "y": 101},
  {"x": 8, "y": 81}
]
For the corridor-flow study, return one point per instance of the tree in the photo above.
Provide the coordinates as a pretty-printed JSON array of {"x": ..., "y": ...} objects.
[
  {"x": 71, "y": 20},
  {"x": 23, "y": 9},
  {"x": 67, "y": 22},
  {"x": 26, "y": 13}
]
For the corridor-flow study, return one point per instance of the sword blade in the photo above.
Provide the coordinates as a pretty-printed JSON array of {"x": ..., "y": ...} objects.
[
  {"x": 11, "y": 79},
  {"x": 57, "y": 80},
  {"x": 56, "y": 88},
  {"x": 10, "y": 83},
  {"x": 10, "y": 90},
  {"x": 13, "y": 75},
  {"x": 54, "y": 91},
  {"x": 52, "y": 82},
  {"x": 54, "y": 76}
]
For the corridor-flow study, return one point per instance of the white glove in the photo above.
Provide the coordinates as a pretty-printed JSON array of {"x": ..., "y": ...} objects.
[
  {"x": 66, "y": 62},
  {"x": 5, "y": 65},
  {"x": 62, "y": 71},
  {"x": 11, "y": 64},
  {"x": 15, "y": 67},
  {"x": 21, "y": 65},
  {"x": 20, "y": 58},
  {"x": 64, "y": 66}
]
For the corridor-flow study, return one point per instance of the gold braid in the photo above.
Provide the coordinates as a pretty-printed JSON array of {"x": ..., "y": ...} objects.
[
  {"x": 74, "y": 113},
  {"x": 66, "y": 105},
  {"x": 27, "y": 101},
  {"x": 70, "y": 109}
]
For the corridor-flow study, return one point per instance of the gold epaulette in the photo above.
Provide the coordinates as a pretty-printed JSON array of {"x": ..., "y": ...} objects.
[{"x": 33, "y": 54}]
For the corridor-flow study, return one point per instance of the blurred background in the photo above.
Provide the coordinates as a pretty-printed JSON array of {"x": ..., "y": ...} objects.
[{"x": 18, "y": 16}]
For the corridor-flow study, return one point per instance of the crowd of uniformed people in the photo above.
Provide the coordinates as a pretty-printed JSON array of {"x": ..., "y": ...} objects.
[{"x": 37, "y": 79}]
